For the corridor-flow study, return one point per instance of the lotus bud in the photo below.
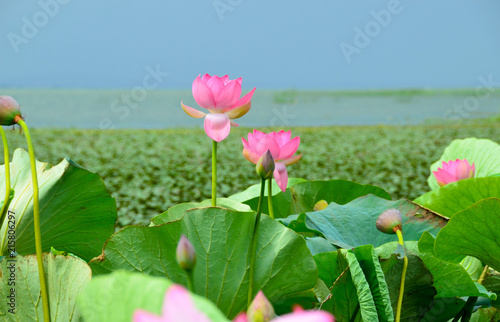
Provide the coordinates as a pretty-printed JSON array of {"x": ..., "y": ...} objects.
[
  {"x": 186, "y": 255},
  {"x": 265, "y": 165},
  {"x": 9, "y": 109},
  {"x": 390, "y": 221},
  {"x": 260, "y": 310},
  {"x": 320, "y": 205}
]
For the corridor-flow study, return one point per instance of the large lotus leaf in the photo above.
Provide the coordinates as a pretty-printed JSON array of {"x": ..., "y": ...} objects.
[
  {"x": 66, "y": 276},
  {"x": 475, "y": 232},
  {"x": 351, "y": 298},
  {"x": 472, "y": 265},
  {"x": 77, "y": 214},
  {"x": 457, "y": 196},
  {"x": 221, "y": 238},
  {"x": 115, "y": 297},
  {"x": 340, "y": 224},
  {"x": 450, "y": 279},
  {"x": 301, "y": 196},
  {"x": 282, "y": 201},
  {"x": 307, "y": 194},
  {"x": 176, "y": 212},
  {"x": 484, "y": 153},
  {"x": 418, "y": 293}
]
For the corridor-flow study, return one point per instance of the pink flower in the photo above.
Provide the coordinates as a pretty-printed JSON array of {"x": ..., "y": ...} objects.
[
  {"x": 282, "y": 147},
  {"x": 221, "y": 96},
  {"x": 298, "y": 315},
  {"x": 454, "y": 171},
  {"x": 177, "y": 307}
]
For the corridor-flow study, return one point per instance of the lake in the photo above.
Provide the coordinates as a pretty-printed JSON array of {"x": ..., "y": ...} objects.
[{"x": 139, "y": 108}]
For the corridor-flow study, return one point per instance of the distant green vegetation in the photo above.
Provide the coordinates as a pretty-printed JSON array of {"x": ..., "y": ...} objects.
[
  {"x": 289, "y": 96},
  {"x": 148, "y": 171}
]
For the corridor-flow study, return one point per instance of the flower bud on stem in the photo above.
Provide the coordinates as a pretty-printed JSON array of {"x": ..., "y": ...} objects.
[
  {"x": 36, "y": 219},
  {"x": 186, "y": 258}
]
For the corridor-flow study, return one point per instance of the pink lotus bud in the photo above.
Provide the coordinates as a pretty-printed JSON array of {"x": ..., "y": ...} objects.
[
  {"x": 389, "y": 221},
  {"x": 454, "y": 171},
  {"x": 265, "y": 165},
  {"x": 260, "y": 310},
  {"x": 320, "y": 205},
  {"x": 9, "y": 109},
  {"x": 185, "y": 253}
]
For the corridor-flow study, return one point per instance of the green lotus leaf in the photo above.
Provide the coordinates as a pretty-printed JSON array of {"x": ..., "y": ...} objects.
[
  {"x": 457, "y": 196},
  {"x": 221, "y": 238},
  {"x": 77, "y": 214},
  {"x": 340, "y": 224},
  {"x": 66, "y": 277},
  {"x": 301, "y": 195},
  {"x": 474, "y": 231}
]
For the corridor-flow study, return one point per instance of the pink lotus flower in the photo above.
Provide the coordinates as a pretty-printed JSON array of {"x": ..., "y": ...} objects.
[
  {"x": 298, "y": 315},
  {"x": 177, "y": 307},
  {"x": 454, "y": 171},
  {"x": 282, "y": 147},
  {"x": 221, "y": 96}
]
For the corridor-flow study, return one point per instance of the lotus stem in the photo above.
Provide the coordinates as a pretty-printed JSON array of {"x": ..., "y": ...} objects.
[
  {"x": 403, "y": 276},
  {"x": 190, "y": 282},
  {"x": 270, "y": 197},
  {"x": 214, "y": 173},
  {"x": 254, "y": 243},
  {"x": 36, "y": 220},
  {"x": 6, "y": 158}
]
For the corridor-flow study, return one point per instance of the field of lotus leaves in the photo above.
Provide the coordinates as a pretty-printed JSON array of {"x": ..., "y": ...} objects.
[{"x": 347, "y": 223}]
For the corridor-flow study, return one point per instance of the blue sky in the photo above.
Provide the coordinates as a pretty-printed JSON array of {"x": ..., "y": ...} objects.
[{"x": 271, "y": 44}]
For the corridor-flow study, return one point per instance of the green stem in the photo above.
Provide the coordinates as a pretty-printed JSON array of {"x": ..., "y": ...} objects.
[
  {"x": 7, "y": 199},
  {"x": 36, "y": 219},
  {"x": 214, "y": 173},
  {"x": 189, "y": 273},
  {"x": 254, "y": 242},
  {"x": 403, "y": 276},
  {"x": 270, "y": 197}
]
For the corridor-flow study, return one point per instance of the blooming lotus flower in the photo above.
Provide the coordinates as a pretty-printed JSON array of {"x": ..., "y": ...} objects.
[
  {"x": 298, "y": 315},
  {"x": 9, "y": 109},
  {"x": 282, "y": 148},
  {"x": 177, "y": 307},
  {"x": 452, "y": 171},
  {"x": 220, "y": 96}
]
